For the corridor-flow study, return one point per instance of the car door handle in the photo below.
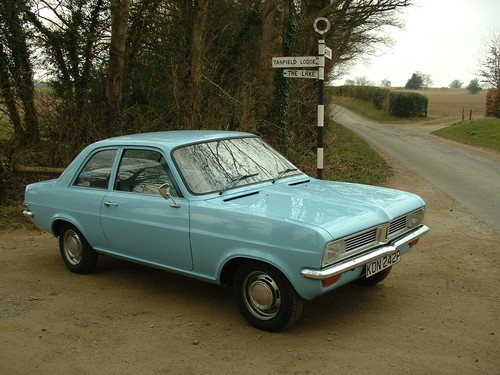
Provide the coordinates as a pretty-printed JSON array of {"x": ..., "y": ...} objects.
[{"x": 108, "y": 204}]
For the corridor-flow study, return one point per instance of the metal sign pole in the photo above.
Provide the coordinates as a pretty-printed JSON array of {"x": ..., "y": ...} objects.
[
  {"x": 321, "y": 105},
  {"x": 321, "y": 92},
  {"x": 321, "y": 26}
]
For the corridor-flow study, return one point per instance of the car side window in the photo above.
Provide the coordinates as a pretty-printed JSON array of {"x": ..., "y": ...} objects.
[
  {"x": 96, "y": 172},
  {"x": 142, "y": 171}
]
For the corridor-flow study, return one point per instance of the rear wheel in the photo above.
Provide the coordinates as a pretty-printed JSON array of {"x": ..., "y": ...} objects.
[
  {"x": 76, "y": 252},
  {"x": 375, "y": 279},
  {"x": 265, "y": 297}
]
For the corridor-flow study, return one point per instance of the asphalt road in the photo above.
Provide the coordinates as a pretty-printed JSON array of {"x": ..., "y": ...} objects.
[{"x": 470, "y": 175}]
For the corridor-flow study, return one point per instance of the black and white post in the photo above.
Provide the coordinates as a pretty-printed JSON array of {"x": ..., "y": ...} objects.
[{"x": 321, "y": 26}]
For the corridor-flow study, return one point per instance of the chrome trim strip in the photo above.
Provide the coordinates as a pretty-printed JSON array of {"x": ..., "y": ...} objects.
[
  {"x": 28, "y": 214},
  {"x": 364, "y": 259}
]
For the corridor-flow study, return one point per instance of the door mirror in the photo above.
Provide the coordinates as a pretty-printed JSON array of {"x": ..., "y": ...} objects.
[{"x": 165, "y": 192}]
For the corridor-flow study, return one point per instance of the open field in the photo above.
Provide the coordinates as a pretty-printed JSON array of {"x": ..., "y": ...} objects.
[{"x": 446, "y": 105}]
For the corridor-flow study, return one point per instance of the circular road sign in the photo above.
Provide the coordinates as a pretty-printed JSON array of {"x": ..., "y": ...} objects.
[{"x": 323, "y": 27}]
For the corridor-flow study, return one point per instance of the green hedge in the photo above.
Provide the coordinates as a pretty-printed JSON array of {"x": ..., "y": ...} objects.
[
  {"x": 376, "y": 95},
  {"x": 399, "y": 104},
  {"x": 380, "y": 98},
  {"x": 408, "y": 104}
]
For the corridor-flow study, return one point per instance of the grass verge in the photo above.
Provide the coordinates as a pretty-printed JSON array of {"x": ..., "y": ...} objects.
[
  {"x": 347, "y": 157},
  {"x": 484, "y": 132}
]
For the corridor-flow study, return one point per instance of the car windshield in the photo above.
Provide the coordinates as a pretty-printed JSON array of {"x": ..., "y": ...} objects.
[{"x": 220, "y": 165}]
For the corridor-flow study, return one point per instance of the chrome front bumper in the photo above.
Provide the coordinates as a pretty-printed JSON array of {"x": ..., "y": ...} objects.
[
  {"x": 337, "y": 269},
  {"x": 28, "y": 214}
]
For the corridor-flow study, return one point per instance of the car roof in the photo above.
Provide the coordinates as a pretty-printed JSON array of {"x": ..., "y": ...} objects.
[{"x": 171, "y": 139}]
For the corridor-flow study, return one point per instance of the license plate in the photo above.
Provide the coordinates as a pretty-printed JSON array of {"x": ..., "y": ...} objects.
[{"x": 382, "y": 263}]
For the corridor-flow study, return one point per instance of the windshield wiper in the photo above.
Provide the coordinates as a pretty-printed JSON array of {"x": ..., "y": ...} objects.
[
  {"x": 284, "y": 172},
  {"x": 233, "y": 182}
]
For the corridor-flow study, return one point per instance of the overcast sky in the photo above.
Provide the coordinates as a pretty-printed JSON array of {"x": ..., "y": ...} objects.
[{"x": 443, "y": 38}]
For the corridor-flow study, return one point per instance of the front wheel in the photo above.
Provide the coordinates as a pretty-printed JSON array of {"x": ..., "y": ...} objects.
[
  {"x": 76, "y": 252},
  {"x": 265, "y": 297}
]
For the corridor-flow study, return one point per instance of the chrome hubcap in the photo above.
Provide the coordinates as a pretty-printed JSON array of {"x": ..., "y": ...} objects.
[
  {"x": 72, "y": 247},
  {"x": 261, "y": 295}
]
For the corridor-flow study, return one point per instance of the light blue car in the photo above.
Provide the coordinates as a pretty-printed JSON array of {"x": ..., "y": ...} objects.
[{"x": 225, "y": 207}]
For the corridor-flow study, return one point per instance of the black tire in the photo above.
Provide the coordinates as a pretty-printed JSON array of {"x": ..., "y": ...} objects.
[
  {"x": 76, "y": 252},
  {"x": 265, "y": 297},
  {"x": 375, "y": 279}
]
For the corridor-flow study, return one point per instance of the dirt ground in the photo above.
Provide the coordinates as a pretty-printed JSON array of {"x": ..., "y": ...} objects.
[{"x": 437, "y": 313}]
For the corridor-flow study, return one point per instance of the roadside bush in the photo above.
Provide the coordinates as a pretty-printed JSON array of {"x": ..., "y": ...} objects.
[
  {"x": 402, "y": 104},
  {"x": 376, "y": 95},
  {"x": 380, "y": 98},
  {"x": 493, "y": 103},
  {"x": 399, "y": 104}
]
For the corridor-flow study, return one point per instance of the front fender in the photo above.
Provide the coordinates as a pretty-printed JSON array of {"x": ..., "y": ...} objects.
[{"x": 306, "y": 288}]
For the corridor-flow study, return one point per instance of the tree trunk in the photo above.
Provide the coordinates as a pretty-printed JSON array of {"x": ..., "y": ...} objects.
[
  {"x": 84, "y": 81},
  {"x": 119, "y": 21},
  {"x": 196, "y": 76},
  {"x": 273, "y": 35},
  {"x": 9, "y": 97}
]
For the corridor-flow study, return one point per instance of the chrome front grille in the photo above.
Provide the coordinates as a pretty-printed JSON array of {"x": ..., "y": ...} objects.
[
  {"x": 375, "y": 236},
  {"x": 361, "y": 240},
  {"x": 397, "y": 225}
]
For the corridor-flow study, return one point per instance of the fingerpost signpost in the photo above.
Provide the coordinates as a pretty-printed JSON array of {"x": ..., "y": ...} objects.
[{"x": 321, "y": 26}]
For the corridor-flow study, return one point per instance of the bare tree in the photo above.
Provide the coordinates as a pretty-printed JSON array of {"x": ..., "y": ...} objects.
[
  {"x": 271, "y": 45},
  {"x": 72, "y": 36},
  {"x": 426, "y": 80},
  {"x": 489, "y": 69},
  {"x": 16, "y": 72},
  {"x": 196, "y": 72},
  {"x": 8, "y": 95},
  {"x": 363, "y": 81},
  {"x": 168, "y": 64},
  {"x": 386, "y": 83},
  {"x": 119, "y": 21},
  {"x": 474, "y": 87}
]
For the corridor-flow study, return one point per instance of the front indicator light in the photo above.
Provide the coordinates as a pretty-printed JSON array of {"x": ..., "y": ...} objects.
[
  {"x": 330, "y": 281},
  {"x": 414, "y": 242}
]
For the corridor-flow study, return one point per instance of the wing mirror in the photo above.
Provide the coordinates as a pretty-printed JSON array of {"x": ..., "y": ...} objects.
[{"x": 166, "y": 192}]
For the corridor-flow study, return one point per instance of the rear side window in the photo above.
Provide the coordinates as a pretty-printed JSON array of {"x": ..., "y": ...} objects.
[
  {"x": 96, "y": 172},
  {"x": 142, "y": 171}
]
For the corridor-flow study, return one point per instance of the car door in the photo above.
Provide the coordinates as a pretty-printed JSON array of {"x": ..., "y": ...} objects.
[
  {"x": 88, "y": 189},
  {"x": 140, "y": 224}
]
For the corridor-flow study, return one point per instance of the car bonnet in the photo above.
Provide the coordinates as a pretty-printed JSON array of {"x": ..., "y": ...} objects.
[{"x": 339, "y": 208}]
